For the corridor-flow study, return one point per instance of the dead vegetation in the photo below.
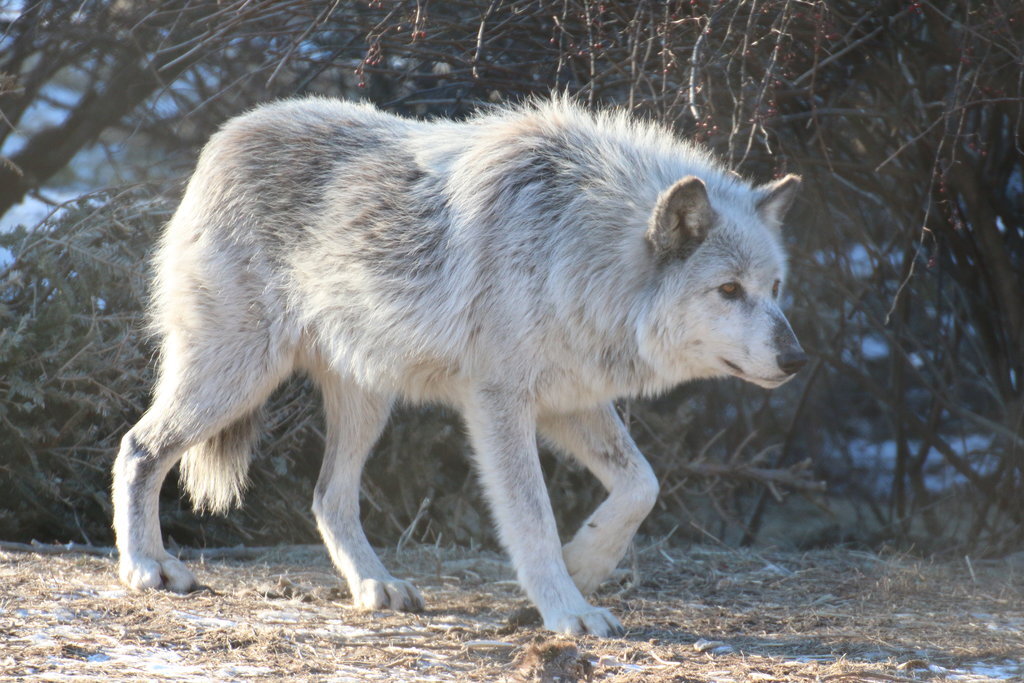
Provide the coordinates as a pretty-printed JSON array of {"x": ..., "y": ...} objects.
[
  {"x": 905, "y": 119},
  {"x": 699, "y": 613}
]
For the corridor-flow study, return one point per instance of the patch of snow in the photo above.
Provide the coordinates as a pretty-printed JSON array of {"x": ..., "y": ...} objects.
[
  {"x": 156, "y": 661},
  {"x": 336, "y": 634},
  {"x": 42, "y": 640},
  {"x": 279, "y": 617},
  {"x": 1007, "y": 625},
  {"x": 488, "y": 645},
  {"x": 609, "y": 661},
  {"x": 207, "y": 622},
  {"x": 771, "y": 568},
  {"x": 355, "y": 674},
  {"x": 1007, "y": 670},
  {"x": 243, "y": 670},
  {"x": 721, "y": 677}
]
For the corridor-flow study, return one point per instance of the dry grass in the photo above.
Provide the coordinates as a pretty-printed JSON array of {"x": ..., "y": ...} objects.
[{"x": 694, "y": 614}]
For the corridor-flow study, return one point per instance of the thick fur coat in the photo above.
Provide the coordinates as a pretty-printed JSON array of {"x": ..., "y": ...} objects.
[{"x": 527, "y": 267}]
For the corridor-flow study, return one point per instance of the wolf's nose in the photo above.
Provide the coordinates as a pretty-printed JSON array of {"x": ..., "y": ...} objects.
[{"x": 790, "y": 362}]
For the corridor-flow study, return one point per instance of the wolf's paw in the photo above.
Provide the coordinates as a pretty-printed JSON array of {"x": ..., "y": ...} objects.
[
  {"x": 390, "y": 593},
  {"x": 169, "y": 573},
  {"x": 594, "y": 621}
]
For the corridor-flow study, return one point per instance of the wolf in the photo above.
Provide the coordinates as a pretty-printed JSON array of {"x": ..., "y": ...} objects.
[{"x": 527, "y": 266}]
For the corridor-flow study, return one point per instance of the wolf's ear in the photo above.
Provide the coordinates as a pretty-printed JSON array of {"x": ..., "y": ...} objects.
[
  {"x": 682, "y": 218},
  {"x": 776, "y": 198}
]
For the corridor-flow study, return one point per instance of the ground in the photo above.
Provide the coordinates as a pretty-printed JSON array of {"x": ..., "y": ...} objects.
[{"x": 691, "y": 614}]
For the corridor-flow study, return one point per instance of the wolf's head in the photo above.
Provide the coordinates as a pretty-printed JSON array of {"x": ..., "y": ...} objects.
[{"x": 720, "y": 271}]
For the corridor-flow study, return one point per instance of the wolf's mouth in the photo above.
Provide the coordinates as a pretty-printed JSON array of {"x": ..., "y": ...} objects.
[
  {"x": 766, "y": 382},
  {"x": 733, "y": 366}
]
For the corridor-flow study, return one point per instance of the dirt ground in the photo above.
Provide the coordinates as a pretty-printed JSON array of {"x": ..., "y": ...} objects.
[{"x": 691, "y": 614}]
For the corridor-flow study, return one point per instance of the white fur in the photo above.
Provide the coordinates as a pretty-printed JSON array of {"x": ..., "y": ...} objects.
[{"x": 527, "y": 267}]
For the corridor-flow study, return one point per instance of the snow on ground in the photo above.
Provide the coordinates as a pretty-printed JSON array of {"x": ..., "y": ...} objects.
[{"x": 695, "y": 613}]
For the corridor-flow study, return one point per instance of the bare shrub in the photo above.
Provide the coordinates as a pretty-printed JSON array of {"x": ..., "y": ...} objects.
[{"x": 904, "y": 118}]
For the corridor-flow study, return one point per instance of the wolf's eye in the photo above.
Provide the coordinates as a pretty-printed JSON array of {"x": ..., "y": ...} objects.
[
  {"x": 775, "y": 289},
  {"x": 731, "y": 290}
]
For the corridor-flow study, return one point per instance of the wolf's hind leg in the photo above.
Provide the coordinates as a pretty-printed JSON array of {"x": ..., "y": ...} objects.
[
  {"x": 355, "y": 418},
  {"x": 142, "y": 463},
  {"x": 600, "y": 441},
  {"x": 205, "y": 388}
]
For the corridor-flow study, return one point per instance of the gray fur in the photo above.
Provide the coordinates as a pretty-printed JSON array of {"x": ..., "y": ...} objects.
[{"x": 527, "y": 267}]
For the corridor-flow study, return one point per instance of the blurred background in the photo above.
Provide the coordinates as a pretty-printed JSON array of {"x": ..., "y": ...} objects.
[{"x": 907, "y": 252}]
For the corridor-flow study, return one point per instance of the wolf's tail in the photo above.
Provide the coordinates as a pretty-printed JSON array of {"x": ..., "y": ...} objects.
[{"x": 214, "y": 473}]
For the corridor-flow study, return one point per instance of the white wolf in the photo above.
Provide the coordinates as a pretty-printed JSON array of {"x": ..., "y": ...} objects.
[{"x": 527, "y": 267}]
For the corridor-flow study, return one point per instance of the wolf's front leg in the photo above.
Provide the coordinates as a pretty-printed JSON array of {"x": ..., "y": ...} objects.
[
  {"x": 600, "y": 441},
  {"x": 502, "y": 429}
]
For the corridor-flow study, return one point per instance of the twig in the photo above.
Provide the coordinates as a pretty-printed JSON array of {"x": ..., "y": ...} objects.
[
  {"x": 56, "y": 549},
  {"x": 235, "y": 553}
]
